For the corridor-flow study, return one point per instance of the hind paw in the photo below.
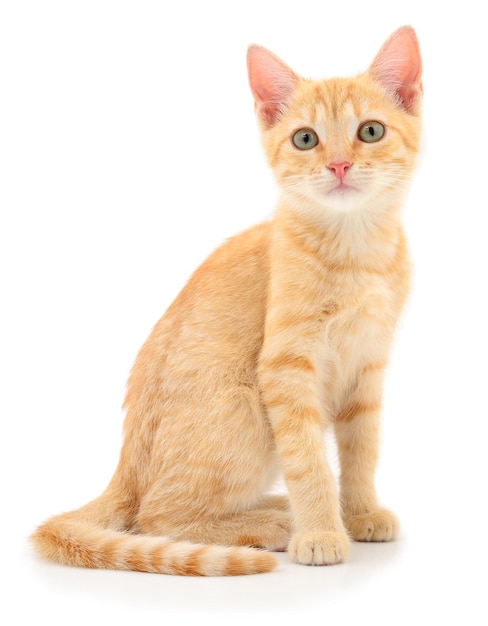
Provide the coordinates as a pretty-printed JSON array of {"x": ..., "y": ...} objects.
[{"x": 269, "y": 529}]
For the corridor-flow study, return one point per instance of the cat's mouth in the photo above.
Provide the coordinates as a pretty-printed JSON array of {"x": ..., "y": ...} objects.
[{"x": 343, "y": 189}]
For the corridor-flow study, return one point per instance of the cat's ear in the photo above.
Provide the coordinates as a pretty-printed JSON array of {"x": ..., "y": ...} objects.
[
  {"x": 272, "y": 83},
  {"x": 398, "y": 67}
]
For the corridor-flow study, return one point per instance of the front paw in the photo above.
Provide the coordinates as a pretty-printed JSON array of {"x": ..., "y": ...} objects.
[
  {"x": 319, "y": 548},
  {"x": 380, "y": 525}
]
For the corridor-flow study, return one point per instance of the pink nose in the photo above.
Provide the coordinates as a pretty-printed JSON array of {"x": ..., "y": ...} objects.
[{"x": 339, "y": 169}]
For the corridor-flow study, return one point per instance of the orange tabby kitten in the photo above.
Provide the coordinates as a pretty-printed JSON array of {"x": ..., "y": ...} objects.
[{"x": 281, "y": 334}]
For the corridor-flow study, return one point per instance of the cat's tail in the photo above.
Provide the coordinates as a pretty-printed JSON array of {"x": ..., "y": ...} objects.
[{"x": 71, "y": 539}]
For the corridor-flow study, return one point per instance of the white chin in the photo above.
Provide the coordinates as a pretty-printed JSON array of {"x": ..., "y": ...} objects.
[{"x": 344, "y": 201}]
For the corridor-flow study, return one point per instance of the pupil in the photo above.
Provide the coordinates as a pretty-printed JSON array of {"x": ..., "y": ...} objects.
[
  {"x": 306, "y": 137},
  {"x": 371, "y": 131}
]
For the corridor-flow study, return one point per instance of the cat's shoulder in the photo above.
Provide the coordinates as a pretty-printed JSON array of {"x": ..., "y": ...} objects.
[
  {"x": 240, "y": 261},
  {"x": 252, "y": 244}
]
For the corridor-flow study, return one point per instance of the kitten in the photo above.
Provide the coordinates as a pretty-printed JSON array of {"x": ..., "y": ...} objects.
[{"x": 282, "y": 334}]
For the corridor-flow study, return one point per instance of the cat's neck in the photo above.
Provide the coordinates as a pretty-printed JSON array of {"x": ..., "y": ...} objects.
[{"x": 359, "y": 239}]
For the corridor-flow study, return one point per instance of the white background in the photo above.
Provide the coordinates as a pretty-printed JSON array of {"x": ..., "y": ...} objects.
[{"x": 129, "y": 151}]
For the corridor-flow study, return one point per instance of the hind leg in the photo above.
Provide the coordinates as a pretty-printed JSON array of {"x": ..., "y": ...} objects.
[
  {"x": 207, "y": 481},
  {"x": 215, "y": 507},
  {"x": 213, "y": 514},
  {"x": 275, "y": 501},
  {"x": 262, "y": 527}
]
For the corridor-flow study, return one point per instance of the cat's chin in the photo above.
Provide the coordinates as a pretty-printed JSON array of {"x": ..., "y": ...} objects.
[
  {"x": 343, "y": 195},
  {"x": 342, "y": 190},
  {"x": 339, "y": 202},
  {"x": 344, "y": 199}
]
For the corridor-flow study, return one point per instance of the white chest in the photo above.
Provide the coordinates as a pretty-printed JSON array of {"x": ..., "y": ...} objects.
[{"x": 358, "y": 333}]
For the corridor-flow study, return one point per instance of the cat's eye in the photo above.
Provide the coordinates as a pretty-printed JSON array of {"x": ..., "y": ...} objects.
[
  {"x": 371, "y": 132},
  {"x": 305, "y": 139}
]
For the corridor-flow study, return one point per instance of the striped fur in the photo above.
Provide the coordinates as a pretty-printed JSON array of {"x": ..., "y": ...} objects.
[
  {"x": 283, "y": 333},
  {"x": 85, "y": 545}
]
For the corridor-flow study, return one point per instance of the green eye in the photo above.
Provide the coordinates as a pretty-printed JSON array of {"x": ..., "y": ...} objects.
[
  {"x": 371, "y": 132},
  {"x": 305, "y": 139}
]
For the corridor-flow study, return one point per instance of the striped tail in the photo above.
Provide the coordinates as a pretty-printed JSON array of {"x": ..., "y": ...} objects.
[{"x": 83, "y": 544}]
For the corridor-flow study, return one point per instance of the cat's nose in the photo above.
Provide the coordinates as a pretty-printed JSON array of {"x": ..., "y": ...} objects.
[{"x": 339, "y": 169}]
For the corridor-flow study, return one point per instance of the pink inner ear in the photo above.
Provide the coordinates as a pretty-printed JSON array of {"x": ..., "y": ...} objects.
[
  {"x": 272, "y": 82},
  {"x": 398, "y": 66}
]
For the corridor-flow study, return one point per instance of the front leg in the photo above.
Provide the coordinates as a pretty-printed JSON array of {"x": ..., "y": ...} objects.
[
  {"x": 289, "y": 386},
  {"x": 356, "y": 428}
]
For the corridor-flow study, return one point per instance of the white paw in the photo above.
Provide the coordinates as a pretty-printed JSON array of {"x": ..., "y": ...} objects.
[
  {"x": 319, "y": 548},
  {"x": 380, "y": 525}
]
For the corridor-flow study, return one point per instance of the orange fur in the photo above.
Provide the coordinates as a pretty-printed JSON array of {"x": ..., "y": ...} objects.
[{"x": 281, "y": 334}]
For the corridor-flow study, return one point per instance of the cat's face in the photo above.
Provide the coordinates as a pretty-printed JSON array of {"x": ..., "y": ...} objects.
[
  {"x": 342, "y": 145},
  {"x": 346, "y": 144}
]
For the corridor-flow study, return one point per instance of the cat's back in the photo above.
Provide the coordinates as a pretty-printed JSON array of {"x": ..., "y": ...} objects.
[
  {"x": 227, "y": 293},
  {"x": 217, "y": 318}
]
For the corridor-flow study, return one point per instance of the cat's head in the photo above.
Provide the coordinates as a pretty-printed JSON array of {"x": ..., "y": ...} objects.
[{"x": 342, "y": 144}]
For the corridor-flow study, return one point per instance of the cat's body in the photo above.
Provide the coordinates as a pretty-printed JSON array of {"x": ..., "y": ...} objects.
[{"x": 282, "y": 333}]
